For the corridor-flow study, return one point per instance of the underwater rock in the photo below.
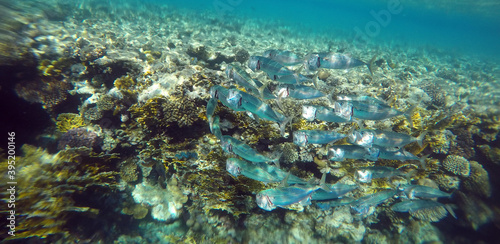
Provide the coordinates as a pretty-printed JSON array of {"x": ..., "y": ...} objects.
[
  {"x": 79, "y": 137},
  {"x": 129, "y": 171},
  {"x": 198, "y": 51},
  {"x": 457, "y": 165},
  {"x": 48, "y": 91},
  {"x": 137, "y": 211},
  {"x": 478, "y": 181},
  {"x": 166, "y": 204},
  {"x": 241, "y": 55},
  {"x": 323, "y": 74},
  {"x": 476, "y": 211}
]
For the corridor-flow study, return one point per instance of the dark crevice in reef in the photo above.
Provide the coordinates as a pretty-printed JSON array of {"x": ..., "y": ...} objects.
[{"x": 26, "y": 119}]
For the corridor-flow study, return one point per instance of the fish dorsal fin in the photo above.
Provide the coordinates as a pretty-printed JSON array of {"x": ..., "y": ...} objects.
[{"x": 322, "y": 183}]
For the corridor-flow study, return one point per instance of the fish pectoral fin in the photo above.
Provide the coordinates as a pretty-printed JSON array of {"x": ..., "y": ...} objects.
[
  {"x": 449, "y": 207},
  {"x": 420, "y": 139}
]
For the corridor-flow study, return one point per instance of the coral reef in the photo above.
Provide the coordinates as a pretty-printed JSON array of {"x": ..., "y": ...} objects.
[
  {"x": 478, "y": 181},
  {"x": 457, "y": 165},
  {"x": 167, "y": 205},
  {"x": 47, "y": 91},
  {"x": 79, "y": 137},
  {"x": 129, "y": 171},
  {"x": 434, "y": 214},
  {"x": 47, "y": 189},
  {"x": 129, "y": 85},
  {"x": 476, "y": 211},
  {"x": 68, "y": 121}
]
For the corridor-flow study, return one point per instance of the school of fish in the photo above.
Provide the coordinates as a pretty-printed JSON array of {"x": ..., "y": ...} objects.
[{"x": 365, "y": 144}]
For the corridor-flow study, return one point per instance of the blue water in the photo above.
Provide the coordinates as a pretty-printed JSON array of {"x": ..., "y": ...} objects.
[{"x": 471, "y": 27}]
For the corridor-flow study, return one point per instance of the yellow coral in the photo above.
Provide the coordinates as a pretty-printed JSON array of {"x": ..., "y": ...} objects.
[
  {"x": 68, "y": 121},
  {"x": 124, "y": 83},
  {"x": 54, "y": 67},
  {"x": 46, "y": 184}
]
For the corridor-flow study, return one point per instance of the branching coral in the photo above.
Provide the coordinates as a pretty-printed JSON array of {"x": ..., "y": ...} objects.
[
  {"x": 457, "y": 165},
  {"x": 48, "y": 91},
  {"x": 68, "y": 121},
  {"x": 158, "y": 113}
]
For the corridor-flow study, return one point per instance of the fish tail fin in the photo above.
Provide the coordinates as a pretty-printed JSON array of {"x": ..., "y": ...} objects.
[
  {"x": 322, "y": 183},
  {"x": 408, "y": 115},
  {"x": 262, "y": 88},
  {"x": 370, "y": 64},
  {"x": 420, "y": 139},
  {"x": 276, "y": 158},
  {"x": 284, "y": 123},
  {"x": 410, "y": 175},
  {"x": 359, "y": 123}
]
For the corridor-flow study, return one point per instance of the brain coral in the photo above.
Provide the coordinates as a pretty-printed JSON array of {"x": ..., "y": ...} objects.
[
  {"x": 478, "y": 182},
  {"x": 457, "y": 165}
]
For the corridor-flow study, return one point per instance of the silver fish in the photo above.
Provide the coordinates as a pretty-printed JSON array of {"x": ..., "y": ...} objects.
[
  {"x": 214, "y": 125},
  {"x": 284, "y": 57},
  {"x": 221, "y": 93},
  {"x": 398, "y": 154},
  {"x": 415, "y": 205},
  {"x": 292, "y": 79},
  {"x": 364, "y": 203},
  {"x": 243, "y": 100},
  {"x": 369, "y": 138},
  {"x": 232, "y": 145},
  {"x": 310, "y": 113},
  {"x": 341, "y": 152},
  {"x": 269, "y": 66},
  {"x": 303, "y": 137},
  {"x": 260, "y": 171},
  {"x": 330, "y": 60},
  {"x": 299, "y": 92},
  {"x": 335, "y": 203},
  {"x": 369, "y": 110},
  {"x": 242, "y": 78},
  {"x": 414, "y": 191},
  {"x": 280, "y": 197},
  {"x": 366, "y": 174},
  {"x": 335, "y": 191}
]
